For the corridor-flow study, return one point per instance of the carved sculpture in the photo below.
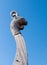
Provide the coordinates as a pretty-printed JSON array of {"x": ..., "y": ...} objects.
[{"x": 16, "y": 25}]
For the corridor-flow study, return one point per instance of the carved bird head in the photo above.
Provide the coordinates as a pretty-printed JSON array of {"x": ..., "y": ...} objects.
[{"x": 20, "y": 22}]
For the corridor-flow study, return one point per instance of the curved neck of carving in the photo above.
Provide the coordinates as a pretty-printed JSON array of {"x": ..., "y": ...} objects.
[{"x": 21, "y": 53}]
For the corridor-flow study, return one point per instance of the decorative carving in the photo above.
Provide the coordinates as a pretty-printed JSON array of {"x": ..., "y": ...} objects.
[{"x": 16, "y": 25}]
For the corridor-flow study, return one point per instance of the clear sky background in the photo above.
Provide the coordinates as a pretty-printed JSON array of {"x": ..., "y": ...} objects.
[{"x": 35, "y": 34}]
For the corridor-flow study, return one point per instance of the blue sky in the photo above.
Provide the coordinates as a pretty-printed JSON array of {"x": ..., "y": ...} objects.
[{"x": 35, "y": 34}]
